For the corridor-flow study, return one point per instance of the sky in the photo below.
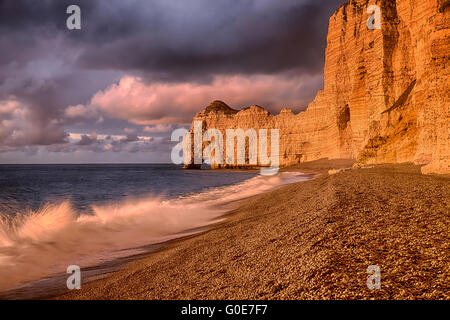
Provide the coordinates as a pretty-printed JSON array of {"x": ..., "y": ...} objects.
[{"x": 114, "y": 90}]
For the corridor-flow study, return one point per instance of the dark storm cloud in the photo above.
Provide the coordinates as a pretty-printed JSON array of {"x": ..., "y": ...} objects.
[
  {"x": 178, "y": 39},
  {"x": 37, "y": 67},
  {"x": 199, "y": 38}
]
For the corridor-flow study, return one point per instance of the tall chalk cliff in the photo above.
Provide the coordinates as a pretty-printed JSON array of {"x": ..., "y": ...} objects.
[{"x": 386, "y": 95}]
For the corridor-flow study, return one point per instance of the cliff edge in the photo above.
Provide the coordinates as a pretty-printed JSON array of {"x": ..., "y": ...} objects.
[{"x": 386, "y": 96}]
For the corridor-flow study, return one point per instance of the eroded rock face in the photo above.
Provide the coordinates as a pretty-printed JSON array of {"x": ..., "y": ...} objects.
[{"x": 386, "y": 94}]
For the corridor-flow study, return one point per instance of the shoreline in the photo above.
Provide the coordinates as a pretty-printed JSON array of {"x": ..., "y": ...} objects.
[
  {"x": 307, "y": 240},
  {"x": 51, "y": 285}
]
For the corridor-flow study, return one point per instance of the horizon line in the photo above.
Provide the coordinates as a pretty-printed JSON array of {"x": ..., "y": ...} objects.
[{"x": 78, "y": 163}]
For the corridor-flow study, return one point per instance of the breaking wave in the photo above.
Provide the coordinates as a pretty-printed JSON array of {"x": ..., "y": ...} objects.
[{"x": 37, "y": 244}]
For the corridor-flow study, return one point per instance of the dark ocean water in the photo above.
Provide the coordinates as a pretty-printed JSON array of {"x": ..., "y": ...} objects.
[
  {"x": 30, "y": 186},
  {"x": 92, "y": 216}
]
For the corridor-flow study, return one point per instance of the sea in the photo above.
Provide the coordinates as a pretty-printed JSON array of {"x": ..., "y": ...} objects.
[{"x": 98, "y": 216}]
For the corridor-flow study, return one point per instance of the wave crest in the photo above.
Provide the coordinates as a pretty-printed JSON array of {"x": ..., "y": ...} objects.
[{"x": 40, "y": 243}]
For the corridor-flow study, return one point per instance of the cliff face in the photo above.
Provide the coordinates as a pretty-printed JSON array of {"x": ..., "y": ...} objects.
[{"x": 386, "y": 95}]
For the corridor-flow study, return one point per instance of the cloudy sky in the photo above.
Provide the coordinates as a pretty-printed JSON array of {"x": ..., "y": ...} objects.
[{"x": 138, "y": 69}]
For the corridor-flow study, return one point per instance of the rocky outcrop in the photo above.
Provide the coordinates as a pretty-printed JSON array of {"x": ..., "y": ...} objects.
[{"x": 386, "y": 94}]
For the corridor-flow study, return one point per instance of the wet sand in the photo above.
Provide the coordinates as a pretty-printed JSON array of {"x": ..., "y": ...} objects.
[{"x": 308, "y": 240}]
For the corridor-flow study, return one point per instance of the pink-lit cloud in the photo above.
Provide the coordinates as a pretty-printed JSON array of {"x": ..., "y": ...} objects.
[
  {"x": 22, "y": 126},
  {"x": 165, "y": 103}
]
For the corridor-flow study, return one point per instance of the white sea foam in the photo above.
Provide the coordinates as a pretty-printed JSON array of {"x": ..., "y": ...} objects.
[{"x": 40, "y": 243}]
